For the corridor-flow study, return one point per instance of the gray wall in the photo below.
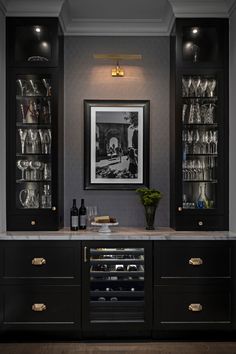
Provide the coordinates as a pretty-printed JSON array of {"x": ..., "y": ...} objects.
[
  {"x": 2, "y": 125},
  {"x": 232, "y": 124},
  {"x": 87, "y": 78}
]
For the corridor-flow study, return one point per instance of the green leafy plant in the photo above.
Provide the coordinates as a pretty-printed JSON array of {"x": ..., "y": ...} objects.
[{"x": 149, "y": 196}]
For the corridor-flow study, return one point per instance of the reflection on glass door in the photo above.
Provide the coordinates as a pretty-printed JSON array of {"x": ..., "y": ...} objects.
[
  {"x": 199, "y": 142},
  {"x": 117, "y": 278},
  {"x": 33, "y": 142}
]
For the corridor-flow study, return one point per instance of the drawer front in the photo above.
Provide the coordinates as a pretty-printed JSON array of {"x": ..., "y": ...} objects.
[
  {"x": 188, "y": 307},
  {"x": 42, "y": 260},
  {"x": 201, "y": 222},
  {"x": 46, "y": 305},
  {"x": 183, "y": 259}
]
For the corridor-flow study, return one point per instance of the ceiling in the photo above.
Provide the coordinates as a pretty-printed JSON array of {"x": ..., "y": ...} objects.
[{"x": 118, "y": 18}]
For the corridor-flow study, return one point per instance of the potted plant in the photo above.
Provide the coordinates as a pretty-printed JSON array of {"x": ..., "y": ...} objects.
[{"x": 150, "y": 198}]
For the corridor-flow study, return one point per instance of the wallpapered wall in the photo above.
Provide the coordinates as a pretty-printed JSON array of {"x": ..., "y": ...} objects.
[
  {"x": 87, "y": 78},
  {"x": 2, "y": 125}
]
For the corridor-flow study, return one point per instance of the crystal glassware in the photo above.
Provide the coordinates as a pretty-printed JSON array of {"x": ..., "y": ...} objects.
[
  {"x": 23, "y": 134},
  {"x": 33, "y": 140},
  {"x": 203, "y": 86},
  {"x": 211, "y": 87},
  {"x": 196, "y": 83},
  {"x": 47, "y": 86},
  {"x": 37, "y": 168},
  {"x": 22, "y": 165}
]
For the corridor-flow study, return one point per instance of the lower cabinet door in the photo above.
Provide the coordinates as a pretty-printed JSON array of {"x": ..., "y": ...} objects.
[
  {"x": 41, "y": 307},
  {"x": 192, "y": 307}
]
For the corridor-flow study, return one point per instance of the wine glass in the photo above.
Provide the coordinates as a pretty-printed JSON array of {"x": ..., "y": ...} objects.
[
  {"x": 22, "y": 165},
  {"x": 35, "y": 88},
  {"x": 211, "y": 87},
  {"x": 45, "y": 136},
  {"x": 47, "y": 86},
  {"x": 23, "y": 134},
  {"x": 33, "y": 140},
  {"x": 91, "y": 213},
  {"x": 36, "y": 167},
  {"x": 22, "y": 85},
  {"x": 196, "y": 83},
  {"x": 203, "y": 86}
]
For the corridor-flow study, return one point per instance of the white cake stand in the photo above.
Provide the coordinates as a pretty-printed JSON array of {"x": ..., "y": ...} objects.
[{"x": 104, "y": 227}]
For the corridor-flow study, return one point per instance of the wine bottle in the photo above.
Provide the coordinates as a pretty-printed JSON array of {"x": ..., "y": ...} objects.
[
  {"x": 74, "y": 217},
  {"x": 82, "y": 216}
]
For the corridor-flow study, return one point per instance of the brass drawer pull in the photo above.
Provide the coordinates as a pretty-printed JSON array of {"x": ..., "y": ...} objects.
[
  {"x": 85, "y": 254},
  {"x": 39, "y": 307},
  {"x": 195, "y": 307},
  {"x": 38, "y": 261},
  {"x": 195, "y": 261}
]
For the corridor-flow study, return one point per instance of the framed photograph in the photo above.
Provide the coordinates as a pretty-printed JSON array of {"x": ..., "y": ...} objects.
[{"x": 116, "y": 151}]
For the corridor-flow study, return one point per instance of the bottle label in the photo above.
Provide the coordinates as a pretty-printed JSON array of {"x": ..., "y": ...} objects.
[
  {"x": 74, "y": 221},
  {"x": 82, "y": 220}
]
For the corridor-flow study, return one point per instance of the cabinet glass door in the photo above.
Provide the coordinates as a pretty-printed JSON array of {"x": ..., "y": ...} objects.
[
  {"x": 33, "y": 142},
  {"x": 117, "y": 285},
  {"x": 199, "y": 142}
]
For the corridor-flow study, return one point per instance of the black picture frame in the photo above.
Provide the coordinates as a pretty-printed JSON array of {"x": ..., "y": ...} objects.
[{"x": 116, "y": 144}]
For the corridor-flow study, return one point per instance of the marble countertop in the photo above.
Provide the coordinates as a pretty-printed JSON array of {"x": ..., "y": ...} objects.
[{"x": 119, "y": 233}]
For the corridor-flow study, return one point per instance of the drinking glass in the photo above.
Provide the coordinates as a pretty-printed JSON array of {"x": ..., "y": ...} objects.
[
  {"x": 184, "y": 108},
  {"x": 211, "y": 87},
  {"x": 22, "y": 85},
  {"x": 22, "y": 165},
  {"x": 91, "y": 213},
  {"x": 47, "y": 86},
  {"x": 45, "y": 137},
  {"x": 33, "y": 140},
  {"x": 37, "y": 168},
  {"x": 203, "y": 86},
  {"x": 209, "y": 114},
  {"x": 23, "y": 134},
  {"x": 35, "y": 88},
  {"x": 196, "y": 83},
  {"x": 22, "y": 110}
]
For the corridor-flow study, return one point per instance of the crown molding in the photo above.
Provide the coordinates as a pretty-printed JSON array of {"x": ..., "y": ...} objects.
[
  {"x": 42, "y": 8},
  {"x": 200, "y": 8},
  {"x": 3, "y": 8},
  {"x": 232, "y": 6},
  {"x": 116, "y": 27}
]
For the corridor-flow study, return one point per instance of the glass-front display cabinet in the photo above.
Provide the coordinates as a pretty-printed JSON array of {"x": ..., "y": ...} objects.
[
  {"x": 199, "y": 125},
  {"x": 33, "y": 131},
  {"x": 117, "y": 293}
]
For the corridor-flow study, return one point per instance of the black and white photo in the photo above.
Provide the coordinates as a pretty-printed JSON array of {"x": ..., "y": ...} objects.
[{"x": 116, "y": 155}]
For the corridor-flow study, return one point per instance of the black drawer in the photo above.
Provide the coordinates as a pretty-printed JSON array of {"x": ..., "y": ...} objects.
[
  {"x": 189, "y": 307},
  {"x": 182, "y": 260},
  {"x": 42, "y": 260},
  {"x": 44, "y": 305},
  {"x": 200, "y": 222}
]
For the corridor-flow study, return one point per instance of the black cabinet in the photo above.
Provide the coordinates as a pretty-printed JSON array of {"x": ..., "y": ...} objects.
[
  {"x": 34, "y": 125},
  {"x": 40, "y": 288},
  {"x": 117, "y": 288},
  {"x": 193, "y": 287},
  {"x": 199, "y": 124}
]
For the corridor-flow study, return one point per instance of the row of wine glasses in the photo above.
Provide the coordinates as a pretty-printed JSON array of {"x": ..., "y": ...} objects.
[
  {"x": 34, "y": 170},
  {"x": 199, "y": 169},
  {"x": 196, "y": 113},
  {"x": 34, "y": 111},
  {"x": 33, "y": 198},
  {"x": 200, "y": 141},
  {"x": 35, "y": 141},
  {"x": 197, "y": 86},
  {"x": 36, "y": 87}
]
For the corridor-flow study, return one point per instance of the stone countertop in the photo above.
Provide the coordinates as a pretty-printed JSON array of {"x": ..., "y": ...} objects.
[{"x": 118, "y": 233}]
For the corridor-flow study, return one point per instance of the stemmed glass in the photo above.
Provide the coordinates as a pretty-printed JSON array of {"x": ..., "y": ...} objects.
[
  {"x": 23, "y": 134},
  {"x": 184, "y": 108},
  {"x": 35, "y": 88},
  {"x": 196, "y": 142},
  {"x": 33, "y": 140},
  {"x": 203, "y": 86},
  {"x": 209, "y": 114},
  {"x": 91, "y": 213},
  {"x": 196, "y": 83},
  {"x": 211, "y": 87},
  {"x": 22, "y": 85},
  {"x": 214, "y": 142},
  {"x": 45, "y": 136},
  {"x": 22, "y": 165},
  {"x": 47, "y": 86},
  {"x": 36, "y": 167}
]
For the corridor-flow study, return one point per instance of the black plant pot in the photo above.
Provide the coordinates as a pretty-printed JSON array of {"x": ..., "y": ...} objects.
[{"x": 150, "y": 211}]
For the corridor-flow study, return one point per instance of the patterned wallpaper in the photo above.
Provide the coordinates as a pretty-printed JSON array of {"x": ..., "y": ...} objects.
[{"x": 87, "y": 78}]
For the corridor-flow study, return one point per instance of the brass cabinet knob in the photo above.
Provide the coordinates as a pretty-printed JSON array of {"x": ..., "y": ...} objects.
[
  {"x": 33, "y": 222},
  {"x": 38, "y": 261},
  {"x": 200, "y": 223},
  {"x": 54, "y": 208},
  {"x": 195, "y": 261},
  {"x": 39, "y": 307},
  {"x": 180, "y": 209},
  {"x": 195, "y": 307}
]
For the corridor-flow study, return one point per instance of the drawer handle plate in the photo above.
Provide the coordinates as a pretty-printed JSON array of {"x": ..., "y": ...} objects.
[
  {"x": 39, "y": 307},
  {"x": 38, "y": 261},
  {"x": 195, "y": 307},
  {"x": 195, "y": 261}
]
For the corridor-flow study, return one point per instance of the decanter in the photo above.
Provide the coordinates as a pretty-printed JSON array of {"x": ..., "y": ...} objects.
[{"x": 202, "y": 200}]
